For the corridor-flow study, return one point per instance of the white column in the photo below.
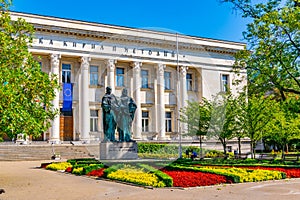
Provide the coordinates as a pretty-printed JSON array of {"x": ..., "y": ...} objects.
[
  {"x": 183, "y": 93},
  {"x": 84, "y": 101},
  {"x": 54, "y": 137},
  {"x": 110, "y": 64},
  {"x": 137, "y": 125},
  {"x": 161, "y": 102}
]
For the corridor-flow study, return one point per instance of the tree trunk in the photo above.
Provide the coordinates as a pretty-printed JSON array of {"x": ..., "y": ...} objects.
[
  {"x": 252, "y": 149},
  {"x": 239, "y": 146},
  {"x": 282, "y": 153},
  {"x": 224, "y": 147},
  {"x": 201, "y": 152}
]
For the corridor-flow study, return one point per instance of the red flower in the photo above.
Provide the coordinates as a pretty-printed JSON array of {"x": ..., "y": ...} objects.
[
  {"x": 69, "y": 169},
  {"x": 191, "y": 179},
  {"x": 97, "y": 172}
]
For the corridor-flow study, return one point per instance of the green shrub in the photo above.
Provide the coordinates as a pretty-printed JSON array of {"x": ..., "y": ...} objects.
[
  {"x": 156, "y": 148},
  {"x": 214, "y": 154},
  {"x": 157, "y": 155},
  {"x": 111, "y": 169},
  {"x": 88, "y": 169},
  {"x": 86, "y": 161},
  {"x": 80, "y": 165}
]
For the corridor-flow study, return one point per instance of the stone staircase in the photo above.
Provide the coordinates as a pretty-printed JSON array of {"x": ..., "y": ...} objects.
[{"x": 44, "y": 151}]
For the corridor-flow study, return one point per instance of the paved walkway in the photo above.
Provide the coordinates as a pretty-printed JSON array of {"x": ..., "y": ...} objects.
[{"x": 24, "y": 180}]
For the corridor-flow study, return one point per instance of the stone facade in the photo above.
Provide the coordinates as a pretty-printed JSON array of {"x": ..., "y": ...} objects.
[{"x": 92, "y": 56}]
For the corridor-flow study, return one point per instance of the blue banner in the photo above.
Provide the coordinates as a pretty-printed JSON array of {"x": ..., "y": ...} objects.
[{"x": 67, "y": 97}]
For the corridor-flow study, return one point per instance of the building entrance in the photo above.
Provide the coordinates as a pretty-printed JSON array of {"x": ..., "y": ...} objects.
[{"x": 66, "y": 126}]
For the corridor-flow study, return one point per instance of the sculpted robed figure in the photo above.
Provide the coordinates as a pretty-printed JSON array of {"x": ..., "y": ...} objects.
[
  {"x": 109, "y": 108},
  {"x": 117, "y": 113},
  {"x": 125, "y": 116}
]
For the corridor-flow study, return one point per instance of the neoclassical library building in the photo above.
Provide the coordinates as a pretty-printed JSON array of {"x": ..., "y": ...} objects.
[{"x": 160, "y": 70}]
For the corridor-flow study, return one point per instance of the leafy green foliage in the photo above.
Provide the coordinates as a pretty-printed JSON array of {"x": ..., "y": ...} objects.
[
  {"x": 197, "y": 117},
  {"x": 284, "y": 126},
  {"x": 26, "y": 93},
  {"x": 272, "y": 65},
  {"x": 223, "y": 118},
  {"x": 273, "y": 36},
  {"x": 255, "y": 112},
  {"x": 153, "y": 148}
]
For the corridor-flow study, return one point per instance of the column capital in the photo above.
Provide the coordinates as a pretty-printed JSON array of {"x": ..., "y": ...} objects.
[
  {"x": 136, "y": 65},
  {"x": 110, "y": 64},
  {"x": 85, "y": 62},
  {"x": 55, "y": 59},
  {"x": 161, "y": 69},
  {"x": 183, "y": 70}
]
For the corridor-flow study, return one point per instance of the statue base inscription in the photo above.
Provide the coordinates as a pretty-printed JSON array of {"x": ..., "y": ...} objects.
[{"x": 118, "y": 150}]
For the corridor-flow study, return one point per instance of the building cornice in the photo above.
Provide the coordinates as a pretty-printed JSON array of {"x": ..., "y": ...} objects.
[{"x": 97, "y": 31}]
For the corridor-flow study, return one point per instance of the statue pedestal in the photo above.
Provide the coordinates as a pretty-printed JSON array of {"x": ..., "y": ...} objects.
[{"x": 118, "y": 150}]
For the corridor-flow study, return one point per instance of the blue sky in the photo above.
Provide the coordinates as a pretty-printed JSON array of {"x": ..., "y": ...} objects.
[{"x": 203, "y": 18}]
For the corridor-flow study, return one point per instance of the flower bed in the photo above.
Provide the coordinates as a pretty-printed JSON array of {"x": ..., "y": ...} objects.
[
  {"x": 176, "y": 174},
  {"x": 58, "y": 166},
  {"x": 183, "y": 178},
  {"x": 290, "y": 172},
  {"x": 248, "y": 175},
  {"x": 135, "y": 175},
  {"x": 97, "y": 172},
  {"x": 237, "y": 175},
  {"x": 69, "y": 170},
  {"x": 78, "y": 171}
]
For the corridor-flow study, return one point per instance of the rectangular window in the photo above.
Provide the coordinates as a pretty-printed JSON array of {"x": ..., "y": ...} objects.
[
  {"x": 168, "y": 122},
  {"x": 224, "y": 82},
  {"x": 189, "y": 82},
  {"x": 94, "y": 75},
  {"x": 66, "y": 73},
  {"x": 94, "y": 120},
  {"x": 145, "y": 78},
  {"x": 167, "y": 76},
  {"x": 145, "y": 121},
  {"x": 120, "y": 77}
]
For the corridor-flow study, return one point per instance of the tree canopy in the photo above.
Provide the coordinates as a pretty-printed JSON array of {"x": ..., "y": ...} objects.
[
  {"x": 26, "y": 92},
  {"x": 273, "y": 37}
]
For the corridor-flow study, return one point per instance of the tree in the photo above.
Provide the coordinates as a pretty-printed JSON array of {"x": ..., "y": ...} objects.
[
  {"x": 197, "y": 117},
  {"x": 284, "y": 126},
  {"x": 26, "y": 92},
  {"x": 273, "y": 36},
  {"x": 254, "y": 113},
  {"x": 223, "y": 119}
]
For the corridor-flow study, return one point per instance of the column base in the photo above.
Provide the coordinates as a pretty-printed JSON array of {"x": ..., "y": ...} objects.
[
  {"x": 137, "y": 138},
  {"x": 54, "y": 141},
  {"x": 162, "y": 138},
  {"x": 85, "y": 141}
]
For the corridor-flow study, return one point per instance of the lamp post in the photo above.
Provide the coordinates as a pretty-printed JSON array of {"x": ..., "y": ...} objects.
[
  {"x": 178, "y": 102},
  {"x": 180, "y": 141}
]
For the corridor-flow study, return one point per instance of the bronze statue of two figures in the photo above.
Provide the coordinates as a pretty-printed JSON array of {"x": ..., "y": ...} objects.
[{"x": 117, "y": 114}]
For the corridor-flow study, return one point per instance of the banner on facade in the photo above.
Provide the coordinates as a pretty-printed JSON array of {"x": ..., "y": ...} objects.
[{"x": 67, "y": 97}]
